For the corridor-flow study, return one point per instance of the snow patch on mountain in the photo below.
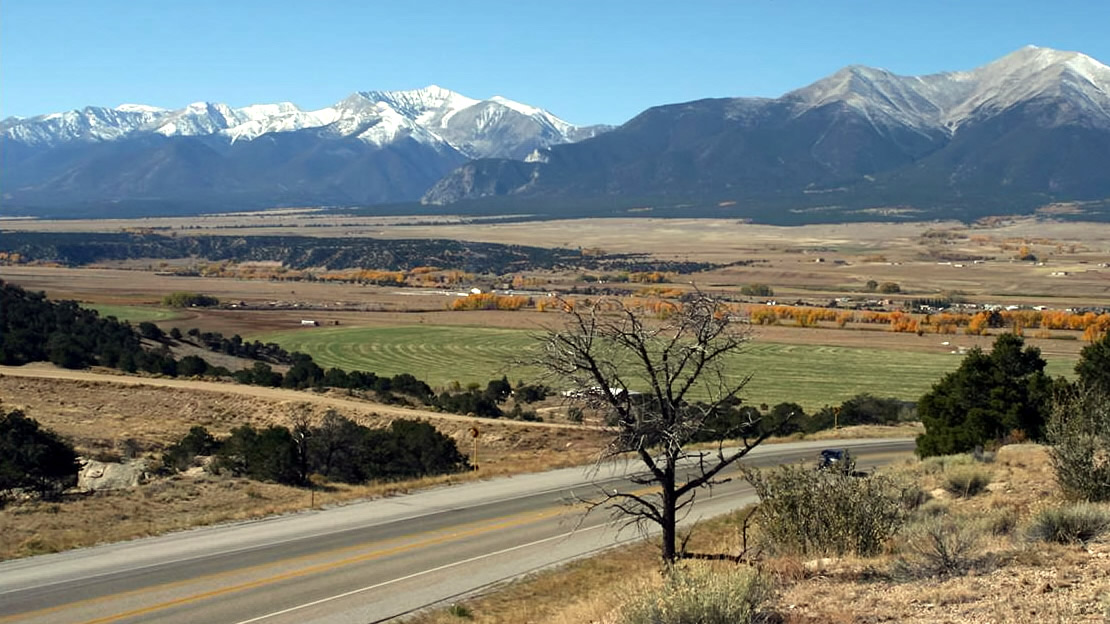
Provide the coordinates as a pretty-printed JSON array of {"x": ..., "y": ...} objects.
[{"x": 139, "y": 108}]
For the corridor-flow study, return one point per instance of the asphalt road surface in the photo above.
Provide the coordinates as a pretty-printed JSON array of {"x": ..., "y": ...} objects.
[{"x": 365, "y": 562}]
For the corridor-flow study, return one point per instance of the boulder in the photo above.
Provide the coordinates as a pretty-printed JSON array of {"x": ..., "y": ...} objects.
[{"x": 97, "y": 476}]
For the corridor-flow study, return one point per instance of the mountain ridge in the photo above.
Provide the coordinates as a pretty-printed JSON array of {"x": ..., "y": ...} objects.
[
  {"x": 1032, "y": 126},
  {"x": 420, "y": 110},
  {"x": 370, "y": 147}
]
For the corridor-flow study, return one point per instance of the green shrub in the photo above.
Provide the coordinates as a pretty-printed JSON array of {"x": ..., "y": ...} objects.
[
  {"x": 1079, "y": 432},
  {"x": 32, "y": 458},
  {"x": 805, "y": 511},
  {"x": 939, "y": 547},
  {"x": 181, "y": 454},
  {"x": 1073, "y": 524},
  {"x": 700, "y": 595},
  {"x": 966, "y": 481}
]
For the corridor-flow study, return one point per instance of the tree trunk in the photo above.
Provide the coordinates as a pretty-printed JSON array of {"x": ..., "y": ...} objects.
[{"x": 669, "y": 530}]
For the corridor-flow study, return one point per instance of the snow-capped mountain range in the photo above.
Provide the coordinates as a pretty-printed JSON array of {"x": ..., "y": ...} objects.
[
  {"x": 432, "y": 115},
  {"x": 1028, "y": 129}
]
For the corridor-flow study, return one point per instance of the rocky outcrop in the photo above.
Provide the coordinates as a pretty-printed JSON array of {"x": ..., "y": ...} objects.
[{"x": 98, "y": 476}]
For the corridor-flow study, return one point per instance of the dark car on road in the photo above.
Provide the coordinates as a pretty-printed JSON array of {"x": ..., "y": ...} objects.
[{"x": 830, "y": 458}]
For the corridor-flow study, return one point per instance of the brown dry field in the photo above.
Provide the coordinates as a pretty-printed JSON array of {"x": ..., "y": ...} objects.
[
  {"x": 1031, "y": 582},
  {"x": 919, "y": 256}
]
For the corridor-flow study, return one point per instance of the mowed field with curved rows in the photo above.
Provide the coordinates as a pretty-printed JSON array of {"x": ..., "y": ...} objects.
[{"x": 811, "y": 375}]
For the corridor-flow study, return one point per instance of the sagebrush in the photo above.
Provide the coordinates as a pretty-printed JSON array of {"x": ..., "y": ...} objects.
[
  {"x": 699, "y": 594},
  {"x": 966, "y": 481},
  {"x": 939, "y": 547},
  {"x": 806, "y": 511},
  {"x": 1072, "y": 524},
  {"x": 1079, "y": 433}
]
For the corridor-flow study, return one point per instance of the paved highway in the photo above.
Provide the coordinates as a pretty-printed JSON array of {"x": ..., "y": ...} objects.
[{"x": 365, "y": 562}]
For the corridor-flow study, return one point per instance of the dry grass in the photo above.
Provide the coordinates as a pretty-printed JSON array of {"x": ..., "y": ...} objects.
[{"x": 901, "y": 430}]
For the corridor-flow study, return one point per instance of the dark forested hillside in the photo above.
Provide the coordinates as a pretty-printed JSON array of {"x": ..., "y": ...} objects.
[
  {"x": 35, "y": 329},
  {"x": 300, "y": 252}
]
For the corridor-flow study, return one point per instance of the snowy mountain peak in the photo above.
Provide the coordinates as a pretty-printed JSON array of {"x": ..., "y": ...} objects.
[
  {"x": 944, "y": 102},
  {"x": 1032, "y": 73},
  {"x": 416, "y": 102},
  {"x": 429, "y": 115}
]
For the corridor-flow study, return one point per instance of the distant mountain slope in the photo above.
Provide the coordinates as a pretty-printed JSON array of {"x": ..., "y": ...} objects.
[
  {"x": 372, "y": 147},
  {"x": 1032, "y": 127}
]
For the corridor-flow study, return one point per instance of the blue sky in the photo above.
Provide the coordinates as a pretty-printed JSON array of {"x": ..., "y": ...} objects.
[{"x": 589, "y": 62}]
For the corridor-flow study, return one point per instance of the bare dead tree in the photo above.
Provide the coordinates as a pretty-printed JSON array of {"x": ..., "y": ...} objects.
[{"x": 661, "y": 385}]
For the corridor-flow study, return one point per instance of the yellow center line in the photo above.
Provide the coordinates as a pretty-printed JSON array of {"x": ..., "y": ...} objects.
[{"x": 475, "y": 528}]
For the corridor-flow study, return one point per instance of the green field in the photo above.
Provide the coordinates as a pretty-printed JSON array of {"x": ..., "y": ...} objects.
[
  {"x": 811, "y": 375},
  {"x": 134, "y": 314}
]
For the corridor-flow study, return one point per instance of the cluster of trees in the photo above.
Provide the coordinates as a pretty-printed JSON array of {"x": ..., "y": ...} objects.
[
  {"x": 1093, "y": 325},
  {"x": 1002, "y": 395},
  {"x": 182, "y": 299},
  {"x": 304, "y": 373},
  {"x": 885, "y": 288},
  {"x": 366, "y": 276},
  {"x": 339, "y": 449},
  {"x": 490, "y": 301},
  {"x": 35, "y": 329},
  {"x": 624, "y": 277},
  {"x": 488, "y": 402},
  {"x": 757, "y": 290},
  {"x": 33, "y": 460},
  {"x": 801, "y": 316},
  {"x": 253, "y": 350},
  {"x": 732, "y": 420}
]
